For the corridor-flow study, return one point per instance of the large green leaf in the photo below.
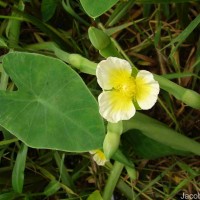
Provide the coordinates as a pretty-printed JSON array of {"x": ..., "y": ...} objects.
[
  {"x": 96, "y": 8},
  {"x": 52, "y": 107}
]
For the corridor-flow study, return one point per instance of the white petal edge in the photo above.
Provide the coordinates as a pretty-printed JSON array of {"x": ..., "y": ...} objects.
[
  {"x": 98, "y": 157},
  {"x": 93, "y": 151},
  {"x": 151, "y": 98},
  {"x": 114, "y": 109},
  {"x": 105, "y": 70},
  {"x": 98, "y": 160}
]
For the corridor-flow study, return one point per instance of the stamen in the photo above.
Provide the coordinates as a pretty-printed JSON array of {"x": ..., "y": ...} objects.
[{"x": 127, "y": 88}]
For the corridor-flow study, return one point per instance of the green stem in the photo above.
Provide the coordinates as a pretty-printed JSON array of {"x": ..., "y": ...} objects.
[
  {"x": 112, "y": 180},
  {"x": 189, "y": 97},
  {"x": 75, "y": 60}
]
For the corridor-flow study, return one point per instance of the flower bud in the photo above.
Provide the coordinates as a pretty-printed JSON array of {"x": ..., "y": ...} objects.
[
  {"x": 111, "y": 144},
  {"x": 98, "y": 38}
]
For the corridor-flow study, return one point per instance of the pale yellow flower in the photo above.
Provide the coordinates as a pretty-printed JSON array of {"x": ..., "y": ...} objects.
[
  {"x": 98, "y": 157},
  {"x": 122, "y": 91}
]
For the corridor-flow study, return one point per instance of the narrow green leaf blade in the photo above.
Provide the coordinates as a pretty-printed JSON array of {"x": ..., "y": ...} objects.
[
  {"x": 186, "y": 32},
  {"x": 52, "y": 188},
  {"x": 18, "y": 170},
  {"x": 52, "y": 107}
]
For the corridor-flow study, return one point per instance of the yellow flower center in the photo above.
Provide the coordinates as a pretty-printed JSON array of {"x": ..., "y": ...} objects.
[
  {"x": 101, "y": 155},
  {"x": 127, "y": 87}
]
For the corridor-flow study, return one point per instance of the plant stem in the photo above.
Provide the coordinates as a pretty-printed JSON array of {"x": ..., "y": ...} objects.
[
  {"x": 112, "y": 180},
  {"x": 189, "y": 97},
  {"x": 75, "y": 60}
]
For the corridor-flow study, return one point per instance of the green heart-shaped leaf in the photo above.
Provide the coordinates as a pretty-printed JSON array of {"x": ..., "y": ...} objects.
[
  {"x": 52, "y": 107},
  {"x": 96, "y": 8}
]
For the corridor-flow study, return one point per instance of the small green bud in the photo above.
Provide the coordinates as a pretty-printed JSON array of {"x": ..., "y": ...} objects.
[
  {"x": 111, "y": 144},
  {"x": 110, "y": 50},
  {"x": 98, "y": 38}
]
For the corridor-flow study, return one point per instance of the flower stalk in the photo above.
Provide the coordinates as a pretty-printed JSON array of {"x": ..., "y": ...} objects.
[
  {"x": 189, "y": 97},
  {"x": 112, "y": 180}
]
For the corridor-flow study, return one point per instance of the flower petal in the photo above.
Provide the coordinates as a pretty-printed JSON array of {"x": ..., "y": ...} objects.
[
  {"x": 111, "y": 71},
  {"x": 99, "y": 157},
  {"x": 98, "y": 160},
  {"x": 114, "y": 106},
  {"x": 93, "y": 151},
  {"x": 147, "y": 89}
]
